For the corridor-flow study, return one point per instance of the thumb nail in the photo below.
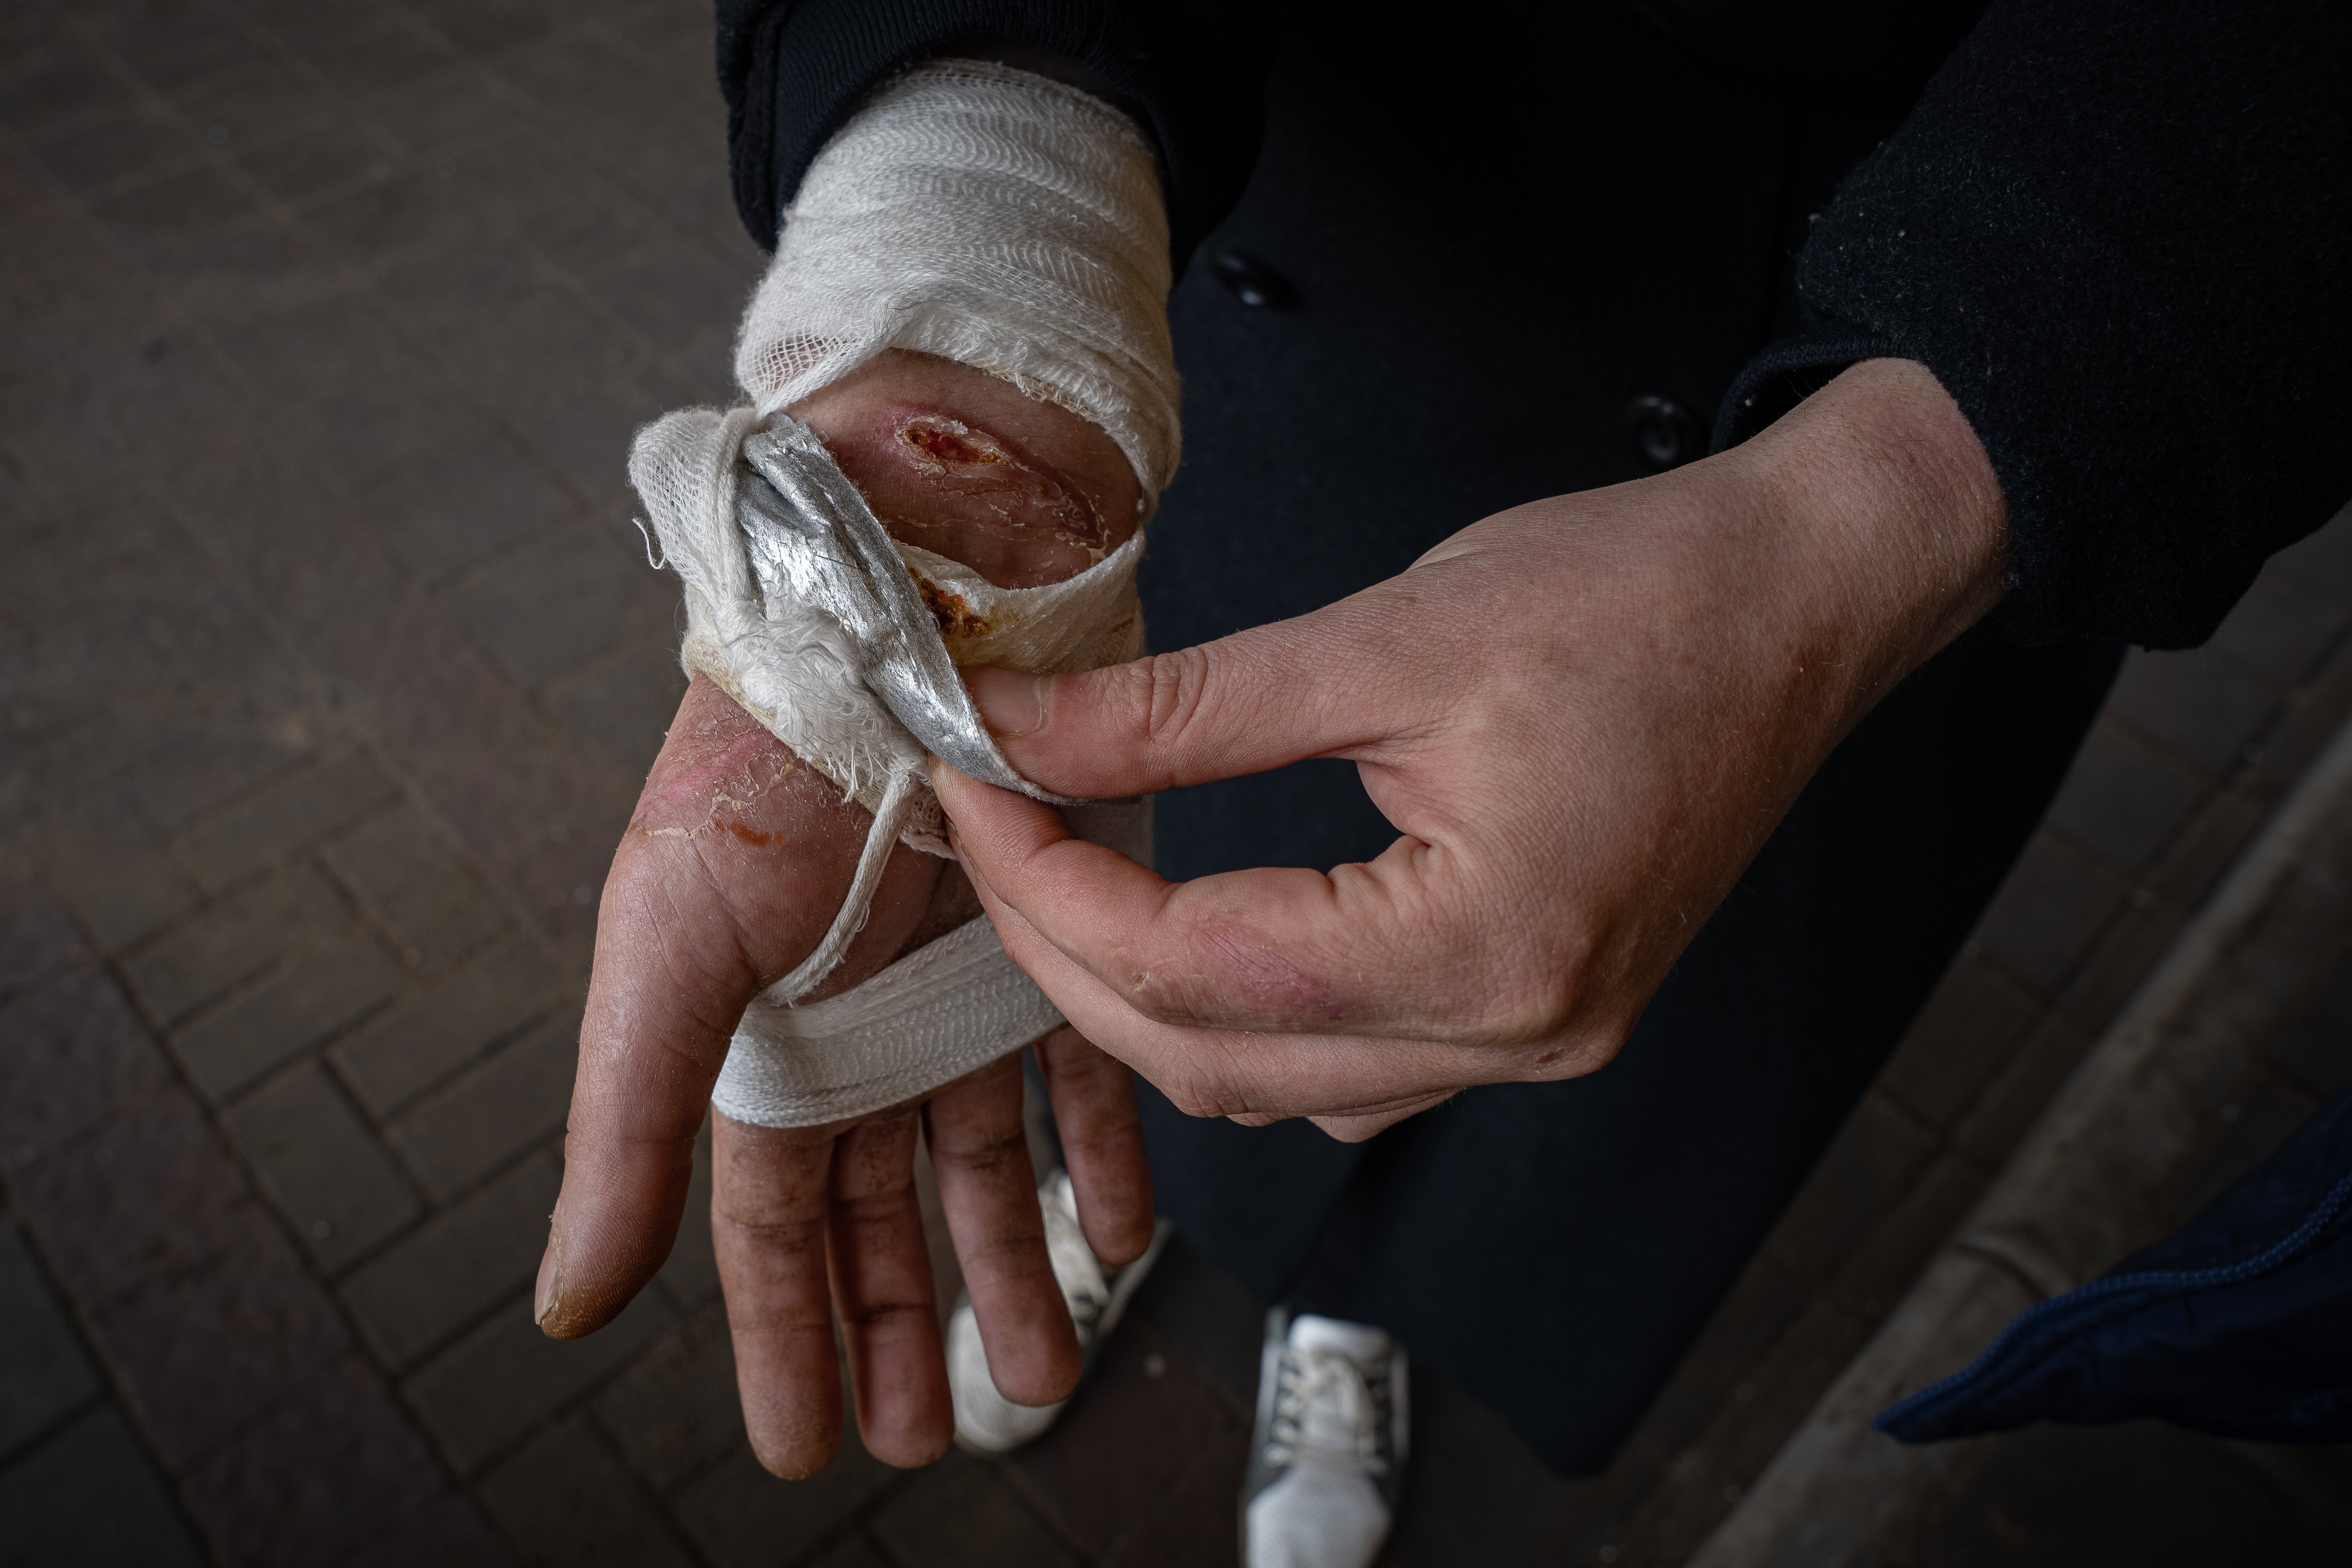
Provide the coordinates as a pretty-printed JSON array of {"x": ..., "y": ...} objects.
[
  {"x": 1010, "y": 703},
  {"x": 547, "y": 1291}
]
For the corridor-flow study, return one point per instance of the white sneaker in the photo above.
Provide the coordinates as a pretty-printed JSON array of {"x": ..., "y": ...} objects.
[
  {"x": 1327, "y": 1459},
  {"x": 988, "y": 1422}
]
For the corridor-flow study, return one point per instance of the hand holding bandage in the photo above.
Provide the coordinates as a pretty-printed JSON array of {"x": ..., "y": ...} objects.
[
  {"x": 774, "y": 887},
  {"x": 1585, "y": 716}
]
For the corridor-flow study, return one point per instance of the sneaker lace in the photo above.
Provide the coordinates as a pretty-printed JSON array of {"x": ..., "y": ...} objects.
[{"x": 1316, "y": 1382}]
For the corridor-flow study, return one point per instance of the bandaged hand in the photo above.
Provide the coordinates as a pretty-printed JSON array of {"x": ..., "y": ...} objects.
[
  {"x": 1585, "y": 716},
  {"x": 729, "y": 876}
]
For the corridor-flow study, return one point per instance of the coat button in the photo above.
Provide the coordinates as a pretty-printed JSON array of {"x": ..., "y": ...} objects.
[
  {"x": 1665, "y": 432},
  {"x": 1252, "y": 281}
]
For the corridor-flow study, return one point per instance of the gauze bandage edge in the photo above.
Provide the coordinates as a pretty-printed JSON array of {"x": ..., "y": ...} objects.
[
  {"x": 947, "y": 1008},
  {"x": 993, "y": 217}
]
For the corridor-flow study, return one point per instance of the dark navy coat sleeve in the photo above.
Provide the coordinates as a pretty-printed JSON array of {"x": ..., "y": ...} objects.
[{"x": 2120, "y": 234}]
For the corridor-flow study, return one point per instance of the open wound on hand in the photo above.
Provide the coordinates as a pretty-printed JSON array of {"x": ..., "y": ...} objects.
[{"x": 978, "y": 498}]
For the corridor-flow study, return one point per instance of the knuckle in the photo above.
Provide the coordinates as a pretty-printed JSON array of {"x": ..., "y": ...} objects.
[
  {"x": 1533, "y": 1003},
  {"x": 1166, "y": 694}
]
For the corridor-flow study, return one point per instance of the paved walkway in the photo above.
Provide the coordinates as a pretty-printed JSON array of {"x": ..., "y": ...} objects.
[{"x": 329, "y": 666}]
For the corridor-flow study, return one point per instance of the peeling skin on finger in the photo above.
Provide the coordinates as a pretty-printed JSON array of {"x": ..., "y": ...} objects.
[
  {"x": 719, "y": 764},
  {"x": 975, "y": 496}
]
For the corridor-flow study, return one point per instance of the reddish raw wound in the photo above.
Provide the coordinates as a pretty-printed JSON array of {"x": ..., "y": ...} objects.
[{"x": 968, "y": 462}]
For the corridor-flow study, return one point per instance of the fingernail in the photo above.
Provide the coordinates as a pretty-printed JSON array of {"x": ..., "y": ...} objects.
[
  {"x": 1010, "y": 703},
  {"x": 551, "y": 1276}
]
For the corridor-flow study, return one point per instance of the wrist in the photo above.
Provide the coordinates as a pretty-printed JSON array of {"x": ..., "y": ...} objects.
[{"x": 1880, "y": 483}]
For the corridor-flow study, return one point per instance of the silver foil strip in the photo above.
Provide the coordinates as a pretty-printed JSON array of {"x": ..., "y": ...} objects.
[{"x": 812, "y": 538}]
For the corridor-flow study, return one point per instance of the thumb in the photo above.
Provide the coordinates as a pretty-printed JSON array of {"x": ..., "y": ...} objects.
[{"x": 1310, "y": 686}]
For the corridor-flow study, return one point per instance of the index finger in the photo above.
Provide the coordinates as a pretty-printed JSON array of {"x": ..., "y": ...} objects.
[
  {"x": 727, "y": 876},
  {"x": 1388, "y": 948}
]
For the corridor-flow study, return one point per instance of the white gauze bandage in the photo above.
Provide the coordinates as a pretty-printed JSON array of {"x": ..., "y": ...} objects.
[
  {"x": 989, "y": 217},
  {"x": 1003, "y": 220}
]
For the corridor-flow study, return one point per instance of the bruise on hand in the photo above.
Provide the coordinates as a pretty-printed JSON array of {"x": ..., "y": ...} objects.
[{"x": 975, "y": 496}]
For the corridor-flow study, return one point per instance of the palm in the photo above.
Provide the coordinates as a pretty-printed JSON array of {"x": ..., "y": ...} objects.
[{"x": 730, "y": 871}]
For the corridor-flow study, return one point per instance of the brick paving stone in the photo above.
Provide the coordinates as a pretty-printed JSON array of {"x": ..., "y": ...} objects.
[
  {"x": 573, "y": 76},
  {"x": 206, "y": 1351},
  {"x": 1760, "y": 1308},
  {"x": 213, "y": 764},
  {"x": 551, "y": 608},
  {"x": 624, "y": 703},
  {"x": 457, "y": 1264},
  {"x": 852, "y": 1552},
  {"x": 961, "y": 1511},
  {"x": 394, "y": 1059},
  {"x": 322, "y": 157},
  {"x": 171, "y": 47},
  {"x": 742, "y": 1517},
  {"x": 158, "y": 214},
  {"x": 2124, "y": 800},
  {"x": 323, "y": 989},
  {"x": 406, "y": 872},
  {"x": 2258, "y": 1116},
  {"x": 322, "y": 1167},
  {"x": 118, "y": 875},
  {"x": 2321, "y": 565},
  {"x": 2205, "y": 709},
  {"x": 1865, "y": 1171},
  {"x": 2306, "y": 724},
  {"x": 2213, "y": 839},
  {"x": 252, "y": 102},
  {"x": 43, "y": 1375},
  {"x": 337, "y": 1476},
  {"x": 116, "y": 151},
  {"x": 2047, "y": 913},
  {"x": 675, "y": 1412},
  {"x": 450, "y": 511},
  {"x": 678, "y": 297},
  {"x": 1219, "y": 1322},
  {"x": 37, "y": 938},
  {"x": 515, "y": 1098},
  {"x": 2144, "y": 1492},
  {"x": 2280, "y": 628},
  {"x": 75, "y": 1058},
  {"x": 504, "y": 1378},
  {"x": 47, "y": 97},
  {"x": 1195, "y": 1524},
  {"x": 289, "y": 815},
  {"x": 90, "y": 1496},
  {"x": 565, "y": 1499},
  {"x": 142, "y": 1192},
  {"x": 479, "y": 29},
  {"x": 2012, "y": 1100},
  {"x": 2143, "y": 930},
  {"x": 381, "y": 58},
  {"x": 1148, "y": 1415},
  {"x": 1969, "y": 1027},
  {"x": 1473, "y": 1494},
  {"x": 233, "y": 942},
  {"x": 446, "y": 106},
  {"x": 2315, "y": 1050}
]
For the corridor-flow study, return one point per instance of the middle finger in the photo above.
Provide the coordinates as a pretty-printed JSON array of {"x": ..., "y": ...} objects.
[{"x": 882, "y": 1289}]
